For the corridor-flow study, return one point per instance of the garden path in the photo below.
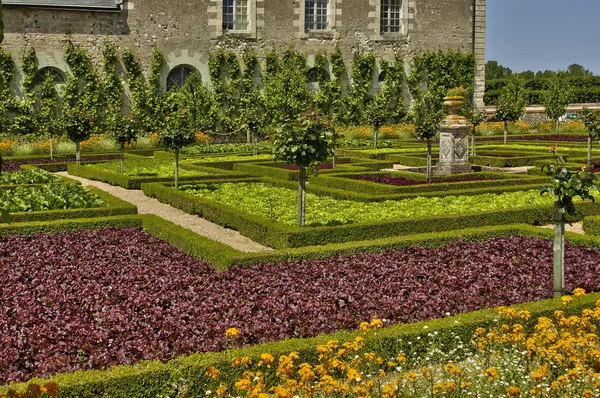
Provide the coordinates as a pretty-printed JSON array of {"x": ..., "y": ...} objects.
[{"x": 195, "y": 224}]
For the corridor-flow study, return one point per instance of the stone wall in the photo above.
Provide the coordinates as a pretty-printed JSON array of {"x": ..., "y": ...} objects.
[{"x": 187, "y": 31}]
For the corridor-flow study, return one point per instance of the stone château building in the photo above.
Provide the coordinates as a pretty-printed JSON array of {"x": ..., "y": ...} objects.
[{"x": 188, "y": 30}]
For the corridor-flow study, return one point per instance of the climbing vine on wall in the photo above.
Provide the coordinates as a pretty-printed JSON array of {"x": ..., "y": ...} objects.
[
  {"x": 24, "y": 122},
  {"x": 226, "y": 78}
]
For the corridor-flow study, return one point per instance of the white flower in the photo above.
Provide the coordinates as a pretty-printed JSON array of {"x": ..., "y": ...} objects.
[{"x": 425, "y": 327}]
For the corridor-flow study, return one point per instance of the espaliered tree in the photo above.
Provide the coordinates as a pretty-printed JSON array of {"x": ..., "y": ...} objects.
[
  {"x": 556, "y": 98},
  {"x": 512, "y": 103},
  {"x": 306, "y": 142},
  {"x": 3, "y": 212},
  {"x": 124, "y": 129},
  {"x": 178, "y": 133},
  {"x": 428, "y": 114},
  {"x": 49, "y": 121},
  {"x": 591, "y": 120},
  {"x": 566, "y": 185}
]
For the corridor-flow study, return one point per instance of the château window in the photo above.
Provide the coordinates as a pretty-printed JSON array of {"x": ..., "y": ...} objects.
[
  {"x": 236, "y": 15},
  {"x": 55, "y": 73},
  {"x": 316, "y": 15},
  {"x": 178, "y": 75},
  {"x": 390, "y": 18}
]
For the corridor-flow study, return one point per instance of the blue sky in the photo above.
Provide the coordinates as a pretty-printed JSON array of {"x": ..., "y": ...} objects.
[{"x": 544, "y": 34}]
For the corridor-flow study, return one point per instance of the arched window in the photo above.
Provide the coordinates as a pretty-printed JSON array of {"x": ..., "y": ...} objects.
[
  {"x": 56, "y": 74},
  {"x": 177, "y": 76}
]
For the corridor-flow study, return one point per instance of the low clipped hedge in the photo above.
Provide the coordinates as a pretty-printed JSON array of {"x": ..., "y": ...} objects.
[
  {"x": 498, "y": 161},
  {"x": 349, "y": 182},
  {"x": 186, "y": 376},
  {"x": 279, "y": 235},
  {"x": 70, "y": 225},
  {"x": 113, "y": 207},
  {"x": 135, "y": 182}
]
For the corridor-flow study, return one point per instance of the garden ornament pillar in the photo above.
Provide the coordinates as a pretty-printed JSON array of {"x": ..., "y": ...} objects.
[
  {"x": 454, "y": 139},
  {"x": 558, "y": 270}
]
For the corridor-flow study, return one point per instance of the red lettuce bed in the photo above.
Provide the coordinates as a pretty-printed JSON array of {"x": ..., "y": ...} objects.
[
  {"x": 403, "y": 181},
  {"x": 116, "y": 296}
]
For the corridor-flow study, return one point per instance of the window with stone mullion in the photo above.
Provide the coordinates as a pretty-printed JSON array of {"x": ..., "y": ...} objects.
[
  {"x": 235, "y": 15},
  {"x": 316, "y": 15},
  {"x": 391, "y": 16}
]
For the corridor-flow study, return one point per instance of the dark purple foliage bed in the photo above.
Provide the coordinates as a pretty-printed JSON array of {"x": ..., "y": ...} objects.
[
  {"x": 14, "y": 165},
  {"x": 403, "y": 181},
  {"x": 323, "y": 166},
  {"x": 116, "y": 296}
]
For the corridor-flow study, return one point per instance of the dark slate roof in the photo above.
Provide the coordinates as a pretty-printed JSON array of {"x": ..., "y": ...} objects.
[{"x": 91, "y": 5}]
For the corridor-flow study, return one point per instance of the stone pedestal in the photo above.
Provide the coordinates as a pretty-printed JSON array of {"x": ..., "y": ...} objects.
[{"x": 454, "y": 140}]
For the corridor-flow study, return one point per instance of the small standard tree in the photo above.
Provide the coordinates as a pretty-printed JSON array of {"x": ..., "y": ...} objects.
[
  {"x": 124, "y": 130},
  {"x": 591, "y": 120},
  {"x": 428, "y": 115},
  {"x": 556, "y": 99},
  {"x": 566, "y": 185},
  {"x": 475, "y": 117},
  {"x": 177, "y": 134},
  {"x": 305, "y": 142},
  {"x": 78, "y": 125},
  {"x": 511, "y": 103}
]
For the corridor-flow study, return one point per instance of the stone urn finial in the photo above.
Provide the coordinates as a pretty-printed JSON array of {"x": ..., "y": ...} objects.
[{"x": 454, "y": 101}]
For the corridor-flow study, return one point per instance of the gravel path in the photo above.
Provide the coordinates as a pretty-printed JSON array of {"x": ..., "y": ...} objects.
[{"x": 196, "y": 224}]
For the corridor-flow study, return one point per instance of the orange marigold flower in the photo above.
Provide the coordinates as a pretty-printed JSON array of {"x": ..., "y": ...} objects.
[
  {"x": 513, "y": 391},
  {"x": 212, "y": 372},
  {"x": 232, "y": 333}
]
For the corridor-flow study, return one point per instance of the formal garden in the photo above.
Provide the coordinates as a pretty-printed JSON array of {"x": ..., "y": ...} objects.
[{"x": 379, "y": 275}]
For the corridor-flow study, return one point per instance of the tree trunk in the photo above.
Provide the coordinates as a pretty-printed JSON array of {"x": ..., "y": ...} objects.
[
  {"x": 333, "y": 150},
  {"x": 559, "y": 250},
  {"x": 122, "y": 157},
  {"x": 255, "y": 142},
  {"x": 51, "y": 149},
  {"x": 177, "y": 168},
  {"x": 249, "y": 136},
  {"x": 589, "y": 154},
  {"x": 0, "y": 164},
  {"x": 301, "y": 196},
  {"x": 473, "y": 143},
  {"x": 505, "y": 132},
  {"x": 429, "y": 161},
  {"x": 375, "y": 133},
  {"x": 77, "y": 153},
  {"x": 556, "y": 127}
]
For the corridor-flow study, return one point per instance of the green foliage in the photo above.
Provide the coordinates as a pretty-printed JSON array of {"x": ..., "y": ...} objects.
[
  {"x": 226, "y": 77},
  {"x": 123, "y": 129},
  {"x": 223, "y": 148},
  {"x": 28, "y": 177},
  {"x": 201, "y": 103},
  {"x": 81, "y": 95},
  {"x": 48, "y": 197},
  {"x": 285, "y": 94},
  {"x": 24, "y": 123},
  {"x": 48, "y": 117},
  {"x": 591, "y": 120},
  {"x": 306, "y": 141},
  {"x": 557, "y": 97},
  {"x": 512, "y": 101},
  {"x": 566, "y": 185},
  {"x": 493, "y": 70},
  {"x": 147, "y": 168},
  {"x": 428, "y": 114},
  {"x": 277, "y": 204},
  {"x": 358, "y": 97},
  {"x": 179, "y": 131}
]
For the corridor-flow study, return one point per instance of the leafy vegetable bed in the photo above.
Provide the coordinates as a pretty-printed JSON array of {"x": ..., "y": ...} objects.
[
  {"x": 279, "y": 204},
  {"x": 403, "y": 181},
  {"x": 28, "y": 177},
  {"x": 547, "y": 137},
  {"x": 135, "y": 297},
  {"x": 48, "y": 197},
  {"x": 14, "y": 165},
  {"x": 222, "y": 148},
  {"x": 148, "y": 168}
]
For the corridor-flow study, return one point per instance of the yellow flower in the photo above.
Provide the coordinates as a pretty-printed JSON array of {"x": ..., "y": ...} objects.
[
  {"x": 491, "y": 374},
  {"x": 588, "y": 394},
  {"x": 376, "y": 323},
  {"x": 480, "y": 331},
  {"x": 364, "y": 326},
  {"x": 579, "y": 292},
  {"x": 513, "y": 391},
  {"x": 540, "y": 373},
  {"x": 566, "y": 300},
  {"x": 401, "y": 357},
  {"x": 212, "y": 372},
  {"x": 412, "y": 377},
  {"x": 222, "y": 390},
  {"x": 232, "y": 333},
  {"x": 266, "y": 359}
]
